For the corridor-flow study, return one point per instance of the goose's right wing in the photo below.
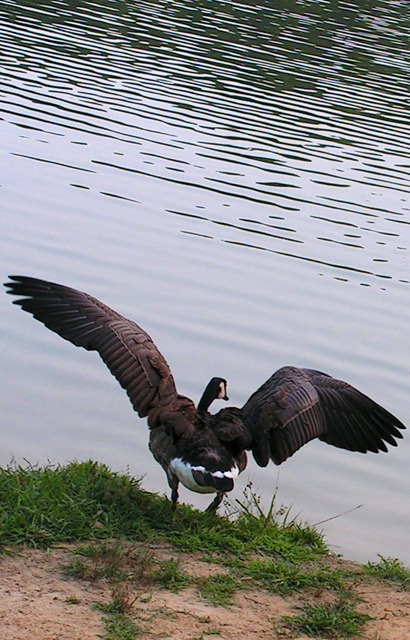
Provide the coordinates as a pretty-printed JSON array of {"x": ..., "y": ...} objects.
[
  {"x": 126, "y": 349},
  {"x": 296, "y": 405}
]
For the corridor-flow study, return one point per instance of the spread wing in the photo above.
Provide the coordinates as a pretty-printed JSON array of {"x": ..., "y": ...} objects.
[
  {"x": 126, "y": 349},
  {"x": 296, "y": 405}
]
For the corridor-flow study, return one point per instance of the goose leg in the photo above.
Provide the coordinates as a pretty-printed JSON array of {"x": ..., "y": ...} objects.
[
  {"x": 215, "y": 502},
  {"x": 174, "y": 498},
  {"x": 173, "y": 483}
]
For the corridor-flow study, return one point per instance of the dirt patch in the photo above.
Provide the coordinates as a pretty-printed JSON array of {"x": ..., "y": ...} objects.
[
  {"x": 38, "y": 602},
  {"x": 35, "y": 600}
]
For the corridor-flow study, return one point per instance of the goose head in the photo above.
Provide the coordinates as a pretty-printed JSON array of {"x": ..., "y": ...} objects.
[{"x": 214, "y": 390}]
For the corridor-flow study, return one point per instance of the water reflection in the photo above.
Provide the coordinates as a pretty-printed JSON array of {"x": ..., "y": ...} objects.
[
  {"x": 244, "y": 168},
  {"x": 197, "y": 92}
]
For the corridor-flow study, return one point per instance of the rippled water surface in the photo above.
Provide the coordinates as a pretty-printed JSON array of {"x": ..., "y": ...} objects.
[{"x": 235, "y": 178}]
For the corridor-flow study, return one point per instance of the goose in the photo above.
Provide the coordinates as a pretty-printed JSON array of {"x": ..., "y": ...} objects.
[{"x": 203, "y": 451}]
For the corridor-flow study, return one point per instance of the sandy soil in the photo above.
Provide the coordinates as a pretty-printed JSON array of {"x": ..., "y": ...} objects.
[{"x": 38, "y": 603}]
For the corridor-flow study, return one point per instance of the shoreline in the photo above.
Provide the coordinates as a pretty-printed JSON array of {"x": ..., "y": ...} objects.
[{"x": 88, "y": 554}]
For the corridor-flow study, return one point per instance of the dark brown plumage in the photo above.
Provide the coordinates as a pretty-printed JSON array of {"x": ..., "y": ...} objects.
[{"x": 206, "y": 452}]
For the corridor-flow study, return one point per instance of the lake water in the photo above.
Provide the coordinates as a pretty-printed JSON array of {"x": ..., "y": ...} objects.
[{"x": 235, "y": 178}]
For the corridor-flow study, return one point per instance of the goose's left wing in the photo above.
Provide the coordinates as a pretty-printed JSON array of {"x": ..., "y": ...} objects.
[
  {"x": 297, "y": 405},
  {"x": 127, "y": 350}
]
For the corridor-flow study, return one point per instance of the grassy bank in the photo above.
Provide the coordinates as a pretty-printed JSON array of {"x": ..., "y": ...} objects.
[{"x": 119, "y": 533}]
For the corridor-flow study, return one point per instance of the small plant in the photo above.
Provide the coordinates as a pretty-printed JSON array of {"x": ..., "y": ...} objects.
[
  {"x": 339, "y": 619},
  {"x": 170, "y": 576},
  {"x": 111, "y": 561},
  {"x": 219, "y": 589},
  {"x": 95, "y": 562},
  {"x": 122, "y": 598},
  {"x": 390, "y": 569},
  {"x": 251, "y": 506},
  {"x": 274, "y": 532},
  {"x": 120, "y": 627},
  {"x": 117, "y": 619}
]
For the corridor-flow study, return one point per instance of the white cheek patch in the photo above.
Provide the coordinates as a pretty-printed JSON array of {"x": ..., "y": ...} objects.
[
  {"x": 183, "y": 471},
  {"x": 222, "y": 391}
]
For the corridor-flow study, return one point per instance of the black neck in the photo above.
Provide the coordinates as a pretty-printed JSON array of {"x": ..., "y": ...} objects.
[
  {"x": 205, "y": 402},
  {"x": 207, "y": 397}
]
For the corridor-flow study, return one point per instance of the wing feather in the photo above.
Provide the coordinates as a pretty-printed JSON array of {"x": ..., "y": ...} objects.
[
  {"x": 297, "y": 405},
  {"x": 127, "y": 350}
]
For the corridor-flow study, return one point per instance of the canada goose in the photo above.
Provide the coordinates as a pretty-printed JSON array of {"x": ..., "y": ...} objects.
[{"x": 207, "y": 452}]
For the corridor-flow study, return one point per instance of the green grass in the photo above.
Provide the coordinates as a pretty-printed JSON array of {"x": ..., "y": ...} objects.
[
  {"x": 117, "y": 563},
  {"x": 219, "y": 589},
  {"x": 286, "y": 577},
  {"x": 339, "y": 619},
  {"x": 123, "y": 525},
  {"x": 390, "y": 569},
  {"x": 120, "y": 627},
  {"x": 95, "y": 562},
  {"x": 170, "y": 575},
  {"x": 44, "y": 506},
  {"x": 113, "y": 561}
]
